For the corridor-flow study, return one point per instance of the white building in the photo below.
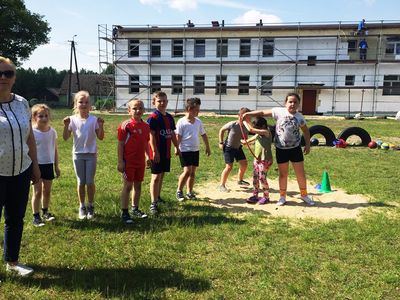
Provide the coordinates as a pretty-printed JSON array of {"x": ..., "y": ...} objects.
[{"x": 229, "y": 67}]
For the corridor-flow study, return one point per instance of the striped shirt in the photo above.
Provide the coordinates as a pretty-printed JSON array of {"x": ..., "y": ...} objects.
[{"x": 15, "y": 117}]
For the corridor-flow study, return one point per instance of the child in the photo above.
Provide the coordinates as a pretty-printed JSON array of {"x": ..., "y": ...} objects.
[
  {"x": 187, "y": 131},
  {"x": 45, "y": 137},
  {"x": 133, "y": 138},
  {"x": 287, "y": 144},
  {"x": 262, "y": 161},
  {"x": 162, "y": 126},
  {"x": 85, "y": 128}
]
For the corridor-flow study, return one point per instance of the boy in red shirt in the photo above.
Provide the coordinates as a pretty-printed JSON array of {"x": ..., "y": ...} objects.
[{"x": 133, "y": 138}]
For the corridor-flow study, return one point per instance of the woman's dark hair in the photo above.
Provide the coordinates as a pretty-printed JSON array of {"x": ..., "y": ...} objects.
[{"x": 260, "y": 123}]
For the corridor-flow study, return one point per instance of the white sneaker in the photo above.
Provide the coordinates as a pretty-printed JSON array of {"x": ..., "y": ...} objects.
[
  {"x": 308, "y": 200},
  {"x": 82, "y": 213},
  {"x": 19, "y": 269},
  {"x": 281, "y": 201}
]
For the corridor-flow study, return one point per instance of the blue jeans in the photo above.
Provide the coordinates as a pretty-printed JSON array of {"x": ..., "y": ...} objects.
[{"x": 14, "y": 194}]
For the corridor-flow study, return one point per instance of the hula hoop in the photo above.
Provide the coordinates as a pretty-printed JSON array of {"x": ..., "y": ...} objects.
[{"x": 245, "y": 140}]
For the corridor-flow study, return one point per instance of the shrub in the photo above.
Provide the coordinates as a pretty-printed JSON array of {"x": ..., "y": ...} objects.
[{"x": 107, "y": 104}]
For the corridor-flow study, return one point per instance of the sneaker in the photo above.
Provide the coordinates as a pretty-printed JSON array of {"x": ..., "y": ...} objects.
[
  {"x": 179, "y": 196},
  {"x": 37, "y": 221},
  {"x": 154, "y": 209},
  {"x": 19, "y": 269},
  {"x": 48, "y": 217},
  {"x": 138, "y": 213},
  {"x": 263, "y": 200},
  {"x": 243, "y": 182},
  {"x": 252, "y": 200},
  {"x": 223, "y": 189},
  {"x": 191, "y": 196},
  {"x": 307, "y": 199},
  {"x": 281, "y": 201},
  {"x": 82, "y": 213},
  {"x": 90, "y": 212},
  {"x": 126, "y": 218}
]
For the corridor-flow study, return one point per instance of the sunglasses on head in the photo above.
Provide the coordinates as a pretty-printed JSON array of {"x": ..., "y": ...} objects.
[{"x": 7, "y": 74}]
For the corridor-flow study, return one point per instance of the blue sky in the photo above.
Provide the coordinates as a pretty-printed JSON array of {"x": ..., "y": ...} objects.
[{"x": 81, "y": 18}]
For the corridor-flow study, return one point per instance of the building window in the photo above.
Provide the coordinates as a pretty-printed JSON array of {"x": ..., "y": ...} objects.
[
  {"x": 311, "y": 60},
  {"x": 349, "y": 80},
  {"x": 222, "y": 48},
  {"x": 133, "y": 48},
  {"x": 393, "y": 45},
  {"x": 176, "y": 84},
  {"x": 199, "y": 48},
  {"x": 177, "y": 48},
  {"x": 155, "y": 48},
  {"x": 245, "y": 47},
  {"x": 243, "y": 85},
  {"x": 268, "y": 47},
  {"x": 220, "y": 84},
  {"x": 391, "y": 85},
  {"x": 352, "y": 46},
  {"x": 198, "y": 82},
  {"x": 155, "y": 83},
  {"x": 133, "y": 84},
  {"x": 266, "y": 85}
]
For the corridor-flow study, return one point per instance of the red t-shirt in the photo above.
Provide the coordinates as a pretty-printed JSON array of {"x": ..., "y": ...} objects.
[{"x": 136, "y": 136}]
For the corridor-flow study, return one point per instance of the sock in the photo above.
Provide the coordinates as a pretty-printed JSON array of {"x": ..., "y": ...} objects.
[
  {"x": 45, "y": 210},
  {"x": 255, "y": 193},
  {"x": 303, "y": 192},
  {"x": 266, "y": 194},
  {"x": 134, "y": 207},
  {"x": 124, "y": 211},
  {"x": 36, "y": 215},
  {"x": 82, "y": 205},
  {"x": 90, "y": 204},
  {"x": 282, "y": 193}
]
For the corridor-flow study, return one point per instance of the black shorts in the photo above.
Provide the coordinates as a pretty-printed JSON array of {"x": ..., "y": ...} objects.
[
  {"x": 189, "y": 158},
  {"x": 230, "y": 154},
  {"x": 47, "y": 171},
  {"x": 286, "y": 155},
  {"x": 163, "y": 166}
]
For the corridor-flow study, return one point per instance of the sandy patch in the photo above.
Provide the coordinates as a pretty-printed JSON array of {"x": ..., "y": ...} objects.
[{"x": 334, "y": 205}]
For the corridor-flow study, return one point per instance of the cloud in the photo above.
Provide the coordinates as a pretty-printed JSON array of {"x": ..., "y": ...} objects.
[
  {"x": 182, "y": 5},
  {"x": 254, "y": 16},
  {"x": 227, "y": 3}
]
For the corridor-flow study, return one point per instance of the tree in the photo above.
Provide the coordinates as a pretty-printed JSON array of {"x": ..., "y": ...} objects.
[{"x": 21, "y": 31}]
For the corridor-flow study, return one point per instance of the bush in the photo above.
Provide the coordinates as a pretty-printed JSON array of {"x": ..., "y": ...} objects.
[{"x": 107, "y": 104}]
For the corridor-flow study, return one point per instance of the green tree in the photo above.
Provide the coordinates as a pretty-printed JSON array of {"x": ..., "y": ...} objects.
[{"x": 21, "y": 31}]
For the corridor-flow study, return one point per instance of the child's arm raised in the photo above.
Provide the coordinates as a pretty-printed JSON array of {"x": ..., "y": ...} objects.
[
  {"x": 100, "y": 130},
  {"x": 258, "y": 113},
  {"x": 205, "y": 140},
  {"x": 66, "y": 131}
]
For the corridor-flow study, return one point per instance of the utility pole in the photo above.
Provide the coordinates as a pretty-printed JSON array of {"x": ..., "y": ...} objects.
[{"x": 73, "y": 53}]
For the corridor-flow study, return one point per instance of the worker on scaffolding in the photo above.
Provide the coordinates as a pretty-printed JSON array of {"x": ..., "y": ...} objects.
[
  {"x": 363, "y": 46},
  {"x": 361, "y": 29}
]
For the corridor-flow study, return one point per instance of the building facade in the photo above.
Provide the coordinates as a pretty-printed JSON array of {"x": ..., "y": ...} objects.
[{"x": 334, "y": 68}]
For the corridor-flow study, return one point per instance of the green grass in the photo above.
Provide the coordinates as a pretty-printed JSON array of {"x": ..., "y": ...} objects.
[{"x": 196, "y": 251}]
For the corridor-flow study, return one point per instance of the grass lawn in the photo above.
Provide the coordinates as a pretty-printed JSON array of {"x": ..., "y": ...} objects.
[{"x": 196, "y": 251}]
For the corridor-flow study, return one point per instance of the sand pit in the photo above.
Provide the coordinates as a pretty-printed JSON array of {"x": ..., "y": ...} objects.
[{"x": 334, "y": 205}]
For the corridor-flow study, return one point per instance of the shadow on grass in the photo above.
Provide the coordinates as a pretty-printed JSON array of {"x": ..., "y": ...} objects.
[{"x": 139, "y": 282}]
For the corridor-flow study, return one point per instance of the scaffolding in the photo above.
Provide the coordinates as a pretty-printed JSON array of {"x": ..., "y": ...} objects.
[{"x": 334, "y": 46}]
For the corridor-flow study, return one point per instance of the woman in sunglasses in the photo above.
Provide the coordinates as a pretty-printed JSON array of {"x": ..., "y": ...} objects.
[{"x": 18, "y": 165}]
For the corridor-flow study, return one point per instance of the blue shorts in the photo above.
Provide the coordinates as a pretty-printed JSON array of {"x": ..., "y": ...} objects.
[{"x": 230, "y": 154}]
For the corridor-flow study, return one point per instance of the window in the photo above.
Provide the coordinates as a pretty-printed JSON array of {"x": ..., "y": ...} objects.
[
  {"x": 198, "y": 82},
  {"x": 391, "y": 85},
  {"x": 155, "y": 48},
  {"x": 220, "y": 84},
  {"x": 222, "y": 48},
  {"x": 349, "y": 80},
  {"x": 176, "y": 84},
  {"x": 133, "y": 84},
  {"x": 243, "y": 85},
  {"x": 268, "y": 47},
  {"x": 155, "y": 83},
  {"x": 266, "y": 85},
  {"x": 245, "y": 47},
  {"x": 199, "y": 48},
  {"x": 352, "y": 46},
  {"x": 133, "y": 48},
  {"x": 393, "y": 45},
  {"x": 311, "y": 60},
  {"x": 177, "y": 48}
]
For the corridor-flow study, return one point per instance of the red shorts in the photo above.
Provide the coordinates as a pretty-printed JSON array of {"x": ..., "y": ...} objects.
[{"x": 134, "y": 173}]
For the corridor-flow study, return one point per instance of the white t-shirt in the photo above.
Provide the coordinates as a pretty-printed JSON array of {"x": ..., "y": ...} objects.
[
  {"x": 45, "y": 145},
  {"x": 15, "y": 117},
  {"x": 287, "y": 131},
  {"x": 84, "y": 132},
  {"x": 190, "y": 133}
]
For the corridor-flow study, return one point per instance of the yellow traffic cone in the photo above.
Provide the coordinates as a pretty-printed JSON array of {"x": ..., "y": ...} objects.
[{"x": 325, "y": 184}]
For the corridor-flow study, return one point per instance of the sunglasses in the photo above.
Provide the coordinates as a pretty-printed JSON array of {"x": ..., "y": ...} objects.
[{"x": 7, "y": 74}]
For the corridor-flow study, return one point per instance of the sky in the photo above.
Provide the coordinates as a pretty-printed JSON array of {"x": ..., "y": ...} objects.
[{"x": 79, "y": 19}]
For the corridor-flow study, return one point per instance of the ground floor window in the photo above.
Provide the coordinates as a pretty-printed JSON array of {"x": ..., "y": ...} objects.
[
  {"x": 133, "y": 84},
  {"x": 391, "y": 85},
  {"x": 244, "y": 85},
  {"x": 176, "y": 84}
]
